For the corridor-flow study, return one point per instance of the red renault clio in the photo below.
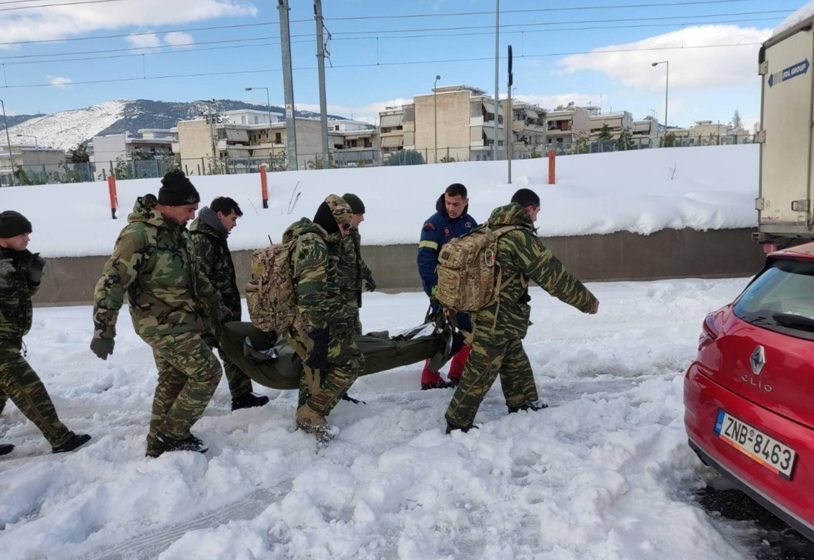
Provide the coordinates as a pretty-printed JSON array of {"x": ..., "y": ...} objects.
[{"x": 749, "y": 395}]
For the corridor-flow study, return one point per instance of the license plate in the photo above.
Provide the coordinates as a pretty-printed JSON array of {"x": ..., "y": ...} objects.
[{"x": 775, "y": 456}]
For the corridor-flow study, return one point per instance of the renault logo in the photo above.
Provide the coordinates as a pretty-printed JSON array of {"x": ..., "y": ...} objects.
[{"x": 757, "y": 360}]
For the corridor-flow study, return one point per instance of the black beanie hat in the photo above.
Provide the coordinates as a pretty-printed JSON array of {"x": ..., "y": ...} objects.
[
  {"x": 355, "y": 203},
  {"x": 13, "y": 224},
  {"x": 177, "y": 190}
]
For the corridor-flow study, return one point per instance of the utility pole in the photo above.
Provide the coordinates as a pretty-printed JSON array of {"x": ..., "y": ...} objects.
[
  {"x": 495, "y": 140},
  {"x": 323, "y": 103},
  {"x": 8, "y": 140},
  {"x": 215, "y": 155},
  {"x": 288, "y": 86},
  {"x": 509, "y": 115}
]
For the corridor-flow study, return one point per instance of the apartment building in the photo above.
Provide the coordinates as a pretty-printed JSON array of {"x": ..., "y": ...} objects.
[
  {"x": 462, "y": 119},
  {"x": 566, "y": 125},
  {"x": 528, "y": 128},
  {"x": 615, "y": 122},
  {"x": 353, "y": 143},
  {"x": 646, "y": 133},
  {"x": 31, "y": 159},
  {"x": 147, "y": 144},
  {"x": 396, "y": 129}
]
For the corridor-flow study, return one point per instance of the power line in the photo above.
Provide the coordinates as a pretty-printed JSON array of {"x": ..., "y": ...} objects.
[
  {"x": 56, "y": 4},
  {"x": 550, "y": 23},
  {"x": 445, "y": 30},
  {"x": 197, "y": 49},
  {"x": 530, "y": 10},
  {"x": 369, "y": 65},
  {"x": 120, "y": 35},
  {"x": 349, "y": 18}
]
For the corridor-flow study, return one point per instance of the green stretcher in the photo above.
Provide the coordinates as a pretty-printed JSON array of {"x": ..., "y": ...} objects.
[{"x": 272, "y": 363}]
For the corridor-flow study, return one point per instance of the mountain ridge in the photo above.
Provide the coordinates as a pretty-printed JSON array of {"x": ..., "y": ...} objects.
[{"x": 67, "y": 129}]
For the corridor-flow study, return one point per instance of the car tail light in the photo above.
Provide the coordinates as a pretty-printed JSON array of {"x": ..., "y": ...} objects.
[{"x": 709, "y": 330}]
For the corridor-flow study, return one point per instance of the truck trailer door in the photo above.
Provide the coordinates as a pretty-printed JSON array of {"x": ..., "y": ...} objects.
[{"x": 784, "y": 203}]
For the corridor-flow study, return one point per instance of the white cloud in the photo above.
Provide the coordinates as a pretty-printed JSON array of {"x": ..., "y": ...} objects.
[
  {"x": 149, "y": 40},
  {"x": 67, "y": 21},
  {"x": 366, "y": 113},
  {"x": 59, "y": 81},
  {"x": 179, "y": 39},
  {"x": 692, "y": 66}
]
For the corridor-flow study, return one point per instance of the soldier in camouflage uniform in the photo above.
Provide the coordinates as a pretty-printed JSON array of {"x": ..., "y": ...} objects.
[
  {"x": 20, "y": 275},
  {"x": 172, "y": 305},
  {"x": 209, "y": 232},
  {"x": 499, "y": 329},
  {"x": 327, "y": 346},
  {"x": 354, "y": 274}
]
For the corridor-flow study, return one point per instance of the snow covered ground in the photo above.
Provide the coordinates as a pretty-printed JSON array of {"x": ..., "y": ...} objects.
[
  {"x": 605, "y": 473},
  {"x": 641, "y": 191}
]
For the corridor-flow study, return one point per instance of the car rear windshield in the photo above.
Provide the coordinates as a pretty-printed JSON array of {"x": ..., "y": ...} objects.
[{"x": 781, "y": 299}]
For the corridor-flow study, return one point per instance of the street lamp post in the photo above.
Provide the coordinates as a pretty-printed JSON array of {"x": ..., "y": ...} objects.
[
  {"x": 8, "y": 142},
  {"x": 666, "y": 87},
  {"x": 435, "y": 113},
  {"x": 268, "y": 108}
]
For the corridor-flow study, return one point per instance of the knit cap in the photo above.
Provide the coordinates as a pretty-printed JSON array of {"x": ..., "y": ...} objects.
[
  {"x": 177, "y": 190},
  {"x": 13, "y": 223}
]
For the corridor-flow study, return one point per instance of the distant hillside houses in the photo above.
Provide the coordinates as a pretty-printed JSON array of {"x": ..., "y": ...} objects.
[{"x": 450, "y": 123}]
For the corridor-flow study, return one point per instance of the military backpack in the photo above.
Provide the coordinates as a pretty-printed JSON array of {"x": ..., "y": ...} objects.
[
  {"x": 270, "y": 293},
  {"x": 469, "y": 277}
]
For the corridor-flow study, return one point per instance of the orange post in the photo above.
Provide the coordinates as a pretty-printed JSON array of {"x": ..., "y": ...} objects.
[
  {"x": 264, "y": 186},
  {"x": 552, "y": 178},
  {"x": 111, "y": 190}
]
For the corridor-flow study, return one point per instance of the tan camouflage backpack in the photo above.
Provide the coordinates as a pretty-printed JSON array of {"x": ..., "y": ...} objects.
[
  {"x": 270, "y": 293},
  {"x": 468, "y": 275}
]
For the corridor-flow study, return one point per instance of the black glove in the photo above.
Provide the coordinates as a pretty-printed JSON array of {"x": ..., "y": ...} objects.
[
  {"x": 35, "y": 268},
  {"x": 369, "y": 284},
  {"x": 102, "y": 347},
  {"x": 318, "y": 358}
]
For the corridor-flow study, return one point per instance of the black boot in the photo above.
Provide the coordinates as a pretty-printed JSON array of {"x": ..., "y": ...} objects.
[
  {"x": 74, "y": 442},
  {"x": 533, "y": 406},
  {"x": 249, "y": 400},
  {"x": 5, "y": 448},
  {"x": 189, "y": 443},
  {"x": 440, "y": 384}
]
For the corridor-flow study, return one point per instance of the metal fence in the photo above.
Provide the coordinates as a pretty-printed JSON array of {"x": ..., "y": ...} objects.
[{"x": 153, "y": 168}]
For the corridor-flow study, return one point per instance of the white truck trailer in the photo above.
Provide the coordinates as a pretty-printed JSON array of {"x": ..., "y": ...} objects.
[{"x": 784, "y": 203}]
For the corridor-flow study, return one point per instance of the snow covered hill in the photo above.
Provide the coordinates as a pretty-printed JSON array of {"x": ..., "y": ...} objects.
[{"x": 67, "y": 129}]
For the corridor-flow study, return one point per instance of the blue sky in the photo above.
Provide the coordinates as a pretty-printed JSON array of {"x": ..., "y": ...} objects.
[{"x": 384, "y": 51}]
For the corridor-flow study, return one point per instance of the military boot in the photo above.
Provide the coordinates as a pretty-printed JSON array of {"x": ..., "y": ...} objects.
[
  {"x": 189, "y": 443},
  {"x": 249, "y": 400},
  {"x": 74, "y": 442},
  {"x": 5, "y": 448},
  {"x": 533, "y": 406}
]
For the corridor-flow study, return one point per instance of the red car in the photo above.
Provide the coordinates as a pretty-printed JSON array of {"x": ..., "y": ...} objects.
[{"x": 749, "y": 394}]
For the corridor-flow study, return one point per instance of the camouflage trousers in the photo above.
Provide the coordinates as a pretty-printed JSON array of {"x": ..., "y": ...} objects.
[
  {"x": 240, "y": 384},
  {"x": 490, "y": 357},
  {"x": 188, "y": 373},
  {"x": 351, "y": 312},
  {"x": 22, "y": 385},
  {"x": 323, "y": 390}
]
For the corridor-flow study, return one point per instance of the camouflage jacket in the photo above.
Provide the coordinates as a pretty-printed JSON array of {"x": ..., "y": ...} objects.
[
  {"x": 314, "y": 260},
  {"x": 215, "y": 261},
  {"x": 153, "y": 263},
  {"x": 523, "y": 257},
  {"x": 16, "y": 290},
  {"x": 352, "y": 269}
]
